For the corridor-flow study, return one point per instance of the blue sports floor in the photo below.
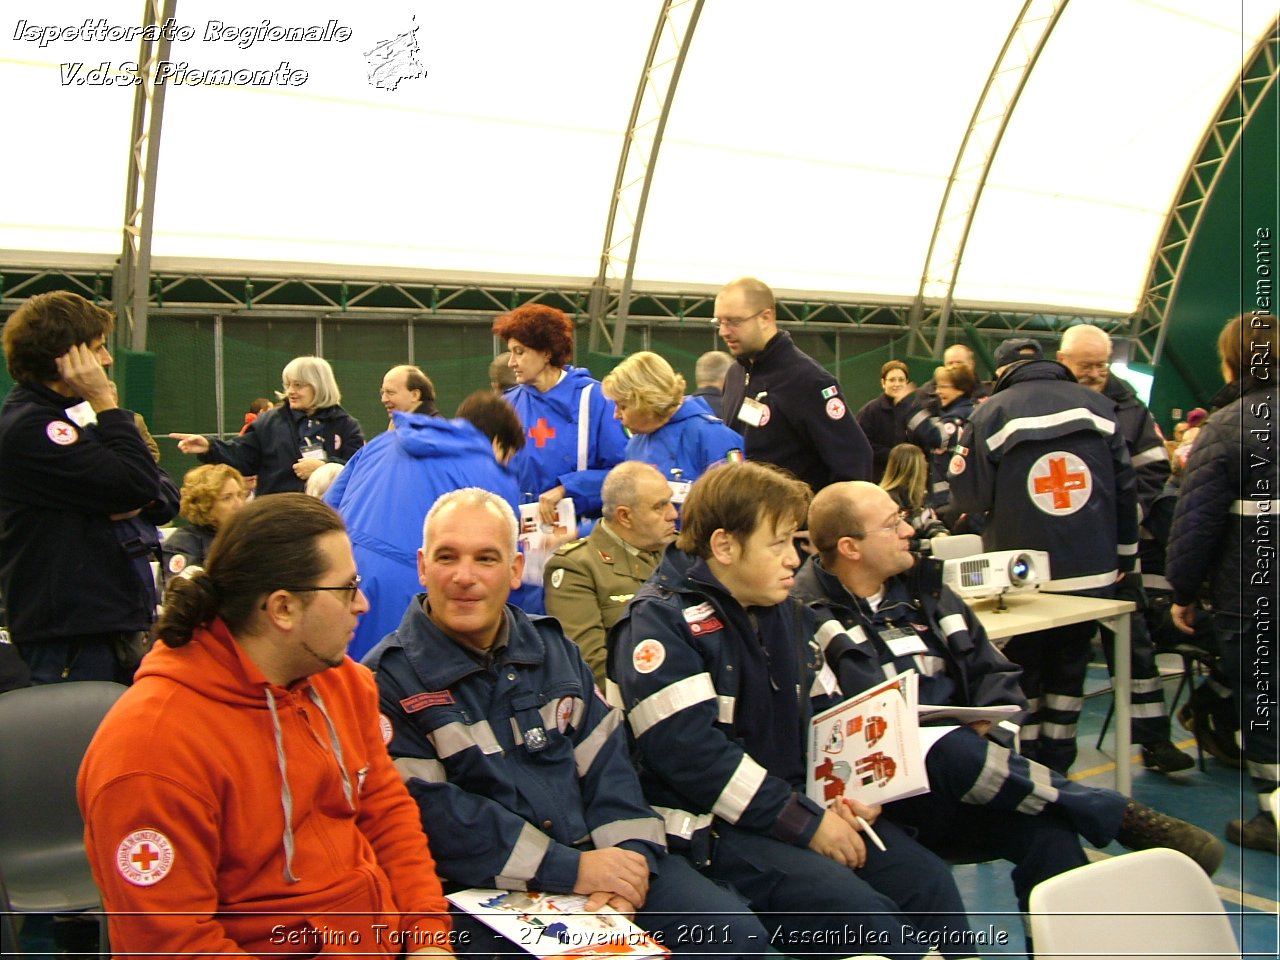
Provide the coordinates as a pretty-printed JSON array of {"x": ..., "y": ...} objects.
[{"x": 1248, "y": 880}]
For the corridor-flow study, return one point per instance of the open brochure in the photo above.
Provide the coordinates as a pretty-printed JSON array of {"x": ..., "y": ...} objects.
[
  {"x": 538, "y": 540},
  {"x": 868, "y": 746},
  {"x": 555, "y": 924}
]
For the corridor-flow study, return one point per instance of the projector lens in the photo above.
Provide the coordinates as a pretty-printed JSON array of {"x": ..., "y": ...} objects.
[{"x": 1019, "y": 569}]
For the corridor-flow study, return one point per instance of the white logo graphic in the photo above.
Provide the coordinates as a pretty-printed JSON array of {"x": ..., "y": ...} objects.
[
  {"x": 648, "y": 656},
  {"x": 394, "y": 60},
  {"x": 144, "y": 857},
  {"x": 1059, "y": 483}
]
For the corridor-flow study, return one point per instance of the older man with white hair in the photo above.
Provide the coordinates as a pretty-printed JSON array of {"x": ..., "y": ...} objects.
[{"x": 1085, "y": 350}]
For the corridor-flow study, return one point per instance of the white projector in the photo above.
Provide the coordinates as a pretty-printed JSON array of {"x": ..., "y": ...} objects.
[{"x": 993, "y": 574}]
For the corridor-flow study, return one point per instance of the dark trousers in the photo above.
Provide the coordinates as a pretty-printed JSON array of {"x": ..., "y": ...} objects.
[
  {"x": 93, "y": 656},
  {"x": 898, "y": 905},
  {"x": 1149, "y": 716},
  {"x": 1054, "y": 663},
  {"x": 1249, "y": 659},
  {"x": 987, "y": 802}
]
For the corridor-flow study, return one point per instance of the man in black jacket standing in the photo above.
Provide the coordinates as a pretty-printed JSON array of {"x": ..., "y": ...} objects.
[
  {"x": 1043, "y": 462},
  {"x": 1224, "y": 531},
  {"x": 79, "y": 494},
  {"x": 1085, "y": 350},
  {"x": 788, "y": 408}
]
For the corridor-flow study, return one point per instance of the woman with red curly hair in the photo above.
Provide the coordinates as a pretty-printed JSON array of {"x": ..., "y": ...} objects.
[{"x": 572, "y": 438}]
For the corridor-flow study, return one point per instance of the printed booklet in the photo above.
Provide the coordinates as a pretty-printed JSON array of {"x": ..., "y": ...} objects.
[{"x": 555, "y": 925}]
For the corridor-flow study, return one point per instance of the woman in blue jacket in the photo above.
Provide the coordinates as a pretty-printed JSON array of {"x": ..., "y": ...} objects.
[
  {"x": 677, "y": 434},
  {"x": 572, "y": 439}
]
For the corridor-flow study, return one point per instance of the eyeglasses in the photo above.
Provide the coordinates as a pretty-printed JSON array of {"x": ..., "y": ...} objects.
[
  {"x": 349, "y": 589},
  {"x": 1102, "y": 367},
  {"x": 892, "y": 527},
  {"x": 735, "y": 324}
]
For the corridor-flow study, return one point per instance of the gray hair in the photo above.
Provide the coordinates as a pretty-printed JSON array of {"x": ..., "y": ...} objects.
[
  {"x": 619, "y": 489},
  {"x": 474, "y": 497},
  {"x": 711, "y": 367},
  {"x": 1082, "y": 331},
  {"x": 316, "y": 373}
]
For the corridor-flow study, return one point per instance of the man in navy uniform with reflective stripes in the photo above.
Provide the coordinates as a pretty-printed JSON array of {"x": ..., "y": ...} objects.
[
  {"x": 879, "y": 616},
  {"x": 1044, "y": 463},
  {"x": 716, "y": 666},
  {"x": 514, "y": 759},
  {"x": 1085, "y": 350}
]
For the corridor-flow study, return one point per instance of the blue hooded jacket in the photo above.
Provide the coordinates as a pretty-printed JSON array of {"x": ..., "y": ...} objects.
[
  {"x": 384, "y": 494},
  {"x": 550, "y": 454},
  {"x": 687, "y": 444}
]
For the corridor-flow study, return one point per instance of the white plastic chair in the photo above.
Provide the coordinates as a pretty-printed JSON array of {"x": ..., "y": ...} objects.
[{"x": 1153, "y": 903}]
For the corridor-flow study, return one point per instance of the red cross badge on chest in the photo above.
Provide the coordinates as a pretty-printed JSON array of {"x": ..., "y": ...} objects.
[{"x": 542, "y": 432}]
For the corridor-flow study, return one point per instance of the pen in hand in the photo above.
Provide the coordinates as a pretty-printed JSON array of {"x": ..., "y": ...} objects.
[{"x": 866, "y": 828}]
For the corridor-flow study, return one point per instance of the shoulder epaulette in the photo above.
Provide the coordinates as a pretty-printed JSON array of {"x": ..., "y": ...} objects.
[{"x": 569, "y": 547}]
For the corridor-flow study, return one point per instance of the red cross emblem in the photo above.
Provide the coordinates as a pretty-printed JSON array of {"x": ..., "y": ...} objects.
[
  {"x": 61, "y": 433},
  {"x": 1059, "y": 483},
  {"x": 542, "y": 432},
  {"x": 144, "y": 855},
  {"x": 648, "y": 656}
]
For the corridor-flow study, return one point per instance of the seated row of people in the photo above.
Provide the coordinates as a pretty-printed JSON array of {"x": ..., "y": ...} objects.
[{"x": 520, "y": 772}]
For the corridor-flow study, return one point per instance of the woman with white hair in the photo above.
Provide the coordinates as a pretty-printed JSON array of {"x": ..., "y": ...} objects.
[{"x": 285, "y": 445}]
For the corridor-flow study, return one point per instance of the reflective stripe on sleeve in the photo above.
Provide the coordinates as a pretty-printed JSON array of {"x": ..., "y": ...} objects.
[
  {"x": 531, "y": 846},
  {"x": 416, "y": 768},
  {"x": 611, "y": 834},
  {"x": 683, "y": 823},
  {"x": 952, "y": 624},
  {"x": 585, "y": 753},
  {"x": 740, "y": 790},
  {"x": 670, "y": 700}
]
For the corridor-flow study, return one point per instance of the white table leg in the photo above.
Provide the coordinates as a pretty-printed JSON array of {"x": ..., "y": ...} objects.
[{"x": 1123, "y": 691}]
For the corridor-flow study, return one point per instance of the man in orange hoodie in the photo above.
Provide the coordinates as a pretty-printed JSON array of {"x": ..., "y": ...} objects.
[{"x": 239, "y": 797}]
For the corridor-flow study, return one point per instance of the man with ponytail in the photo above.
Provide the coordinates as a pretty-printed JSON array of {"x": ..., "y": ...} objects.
[{"x": 239, "y": 797}]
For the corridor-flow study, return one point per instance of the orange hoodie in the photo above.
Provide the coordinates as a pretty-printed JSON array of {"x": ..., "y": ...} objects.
[{"x": 224, "y": 814}]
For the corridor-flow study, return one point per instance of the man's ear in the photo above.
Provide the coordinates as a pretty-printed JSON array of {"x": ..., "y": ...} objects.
[
  {"x": 622, "y": 516},
  {"x": 850, "y": 548},
  {"x": 517, "y": 571},
  {"x": 422, "y": 567},
  {"x": 281, "y": 608},
  {"x": 724, "y": 546}
]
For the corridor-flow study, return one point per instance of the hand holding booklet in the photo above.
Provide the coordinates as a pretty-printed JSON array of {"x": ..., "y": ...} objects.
[
  {"x": 556, "y": 925},
  {"x": 871, "y": 747}
]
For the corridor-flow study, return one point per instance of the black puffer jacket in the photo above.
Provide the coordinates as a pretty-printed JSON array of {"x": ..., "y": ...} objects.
[{"x": 1224, "y": 526}]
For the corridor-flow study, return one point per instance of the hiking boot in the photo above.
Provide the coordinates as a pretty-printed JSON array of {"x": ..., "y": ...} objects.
[
  {"x": 1142, "y": 828},
  {"x": 1256, "y": 834},
  {"x": 1214, "y": 732},
  {"x": 1164, "y": 757}
]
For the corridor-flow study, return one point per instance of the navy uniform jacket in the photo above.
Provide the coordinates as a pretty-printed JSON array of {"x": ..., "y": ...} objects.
[
  {"x": 270, "y": 447},
  {"x": 978, "y": 674},
  {"x": 937, "y": 435},
  {"x": 1044, "y": 459},
  {"x": 518, "y": 767},
  {"x": 679, "y": 659},
  {"x": 810, "y": 429},
  {"x": 64, "y": 569},
  {"x": 1146, "y": 445}
]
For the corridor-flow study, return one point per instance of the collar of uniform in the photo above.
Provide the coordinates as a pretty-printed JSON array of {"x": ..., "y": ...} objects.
[
  {"x": 631, "y": 551},
  {"x": 777, "y": 344},
  {"x": 439, "y": 661}
]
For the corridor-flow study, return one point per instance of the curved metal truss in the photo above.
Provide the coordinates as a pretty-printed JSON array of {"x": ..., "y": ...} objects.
[
  {"x": 140, "y": 188},
  {"x": 268, "y": 295},
  {"x": 1220, "y": 143},
  {"x": 977, "y": 152},
  {"x": 654, "y": 94}
]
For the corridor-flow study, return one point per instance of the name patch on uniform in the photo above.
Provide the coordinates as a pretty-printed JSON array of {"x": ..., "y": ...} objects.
[
  {"x": 648, "y": 656},
  {"x": 699, "y": 612},
  {"x": 709, "y": 625},
  {"x": 420, "y": 701},
  {"x": 144, "y": 857},
  {"x": 62, "y": 433}
]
